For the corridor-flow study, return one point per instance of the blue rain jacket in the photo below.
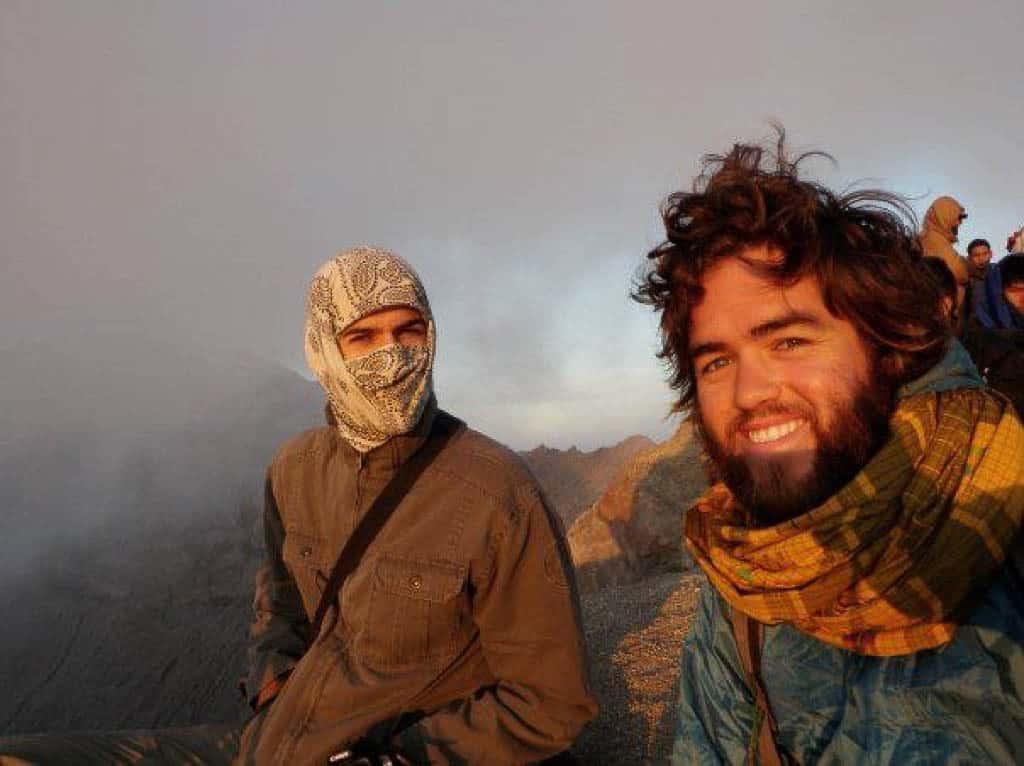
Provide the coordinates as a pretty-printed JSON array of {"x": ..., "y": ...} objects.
[{"x": 960, "y": 704}]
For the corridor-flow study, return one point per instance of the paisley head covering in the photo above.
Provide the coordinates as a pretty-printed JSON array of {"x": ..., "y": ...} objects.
[{"x": 383, "y": 393}]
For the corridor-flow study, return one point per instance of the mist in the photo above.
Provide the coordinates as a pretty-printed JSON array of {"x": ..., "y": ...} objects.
[{"x": 182, "y": 169}]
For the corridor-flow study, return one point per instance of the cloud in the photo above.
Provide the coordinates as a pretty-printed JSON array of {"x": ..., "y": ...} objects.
[{"x": 183, "y": 169}]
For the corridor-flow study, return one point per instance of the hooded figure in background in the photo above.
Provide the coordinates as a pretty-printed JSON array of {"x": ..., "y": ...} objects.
[
  {"x": 939, "y": 232},
  {"x": 940, "y": 228}
]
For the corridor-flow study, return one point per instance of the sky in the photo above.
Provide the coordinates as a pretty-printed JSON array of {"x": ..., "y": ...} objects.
[{"x": 182, "y": 168}]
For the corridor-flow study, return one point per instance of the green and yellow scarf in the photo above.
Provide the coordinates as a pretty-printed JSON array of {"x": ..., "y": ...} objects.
[{"x": 886, "y": 565}]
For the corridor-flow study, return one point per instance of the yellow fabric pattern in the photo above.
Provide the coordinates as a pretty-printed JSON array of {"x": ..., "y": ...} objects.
[{"x": 885, "y": 565}]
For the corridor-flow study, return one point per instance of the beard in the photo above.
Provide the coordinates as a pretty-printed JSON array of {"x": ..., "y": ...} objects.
[{"x": 860, "y": 425}]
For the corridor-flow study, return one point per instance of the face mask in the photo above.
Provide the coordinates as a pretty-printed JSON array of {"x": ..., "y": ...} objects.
[{"x": 392, "y": 378}]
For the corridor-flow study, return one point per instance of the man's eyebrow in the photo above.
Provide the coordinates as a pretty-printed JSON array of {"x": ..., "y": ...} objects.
[
  {"x": 781, "y": 323},
  {"x": 759, "y": 331},
  {"x": 352, "y": 330},
  {"x": 411, "y": 323},
  {"x": 712, "y": 347}
]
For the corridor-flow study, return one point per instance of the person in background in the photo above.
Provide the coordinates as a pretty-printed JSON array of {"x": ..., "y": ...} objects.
[
  {"x": 1000, "y": 305},
  {"x": 939, "y": 232},
  {"x": 999, "y": 360},
  {"x": 864, "y": 599},
  {"x": 940, "y": 229},
  {"x": 1015, "y": 242},
  {"x": 979, "y": 255},
  {"x": 1011, "y": 272}
]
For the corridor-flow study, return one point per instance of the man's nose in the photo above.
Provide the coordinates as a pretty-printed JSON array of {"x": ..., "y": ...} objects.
[{"x": 755, "y": 383}]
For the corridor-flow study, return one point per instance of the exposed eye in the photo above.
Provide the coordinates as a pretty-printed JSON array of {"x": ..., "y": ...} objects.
[
  {"x": 788, "y": 344},
  {"x": 413, "y": 331},
  {"x": 714, "y": 365}
]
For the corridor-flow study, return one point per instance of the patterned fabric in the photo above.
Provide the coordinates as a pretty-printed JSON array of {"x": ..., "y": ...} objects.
[
  {"x": 382, "y": 394},
  {"x": 885, "y": 565}
]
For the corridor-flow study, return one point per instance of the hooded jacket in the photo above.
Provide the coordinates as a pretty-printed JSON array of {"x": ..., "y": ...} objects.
[
  {"x": 991, "y": 309},
  {"x": 938, "y": 235}
]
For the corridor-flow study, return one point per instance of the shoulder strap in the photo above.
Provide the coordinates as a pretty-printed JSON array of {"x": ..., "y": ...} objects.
[
  {"x": 747, "y": 633},
  {"x": 442, "y": 430}
]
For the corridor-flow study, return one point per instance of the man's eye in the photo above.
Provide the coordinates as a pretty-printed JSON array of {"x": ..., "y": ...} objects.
[
  {"x": 787, "y": 344},
  {"x": 715, "y": 364}
]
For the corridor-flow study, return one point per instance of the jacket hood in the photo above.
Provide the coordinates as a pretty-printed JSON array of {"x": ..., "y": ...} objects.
[
  {"x": 954, "y": 370},
  {"x": 990, "y": 307},
  {"x": 943, "y": 216}
]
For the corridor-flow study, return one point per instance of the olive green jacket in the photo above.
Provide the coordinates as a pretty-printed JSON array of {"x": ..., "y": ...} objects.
[{"x": 463, "y": 608}]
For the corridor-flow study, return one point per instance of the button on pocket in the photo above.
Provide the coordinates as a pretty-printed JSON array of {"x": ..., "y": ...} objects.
[
  {"x": 302, "y": 555},
  {"x": 415, "y": 612}
]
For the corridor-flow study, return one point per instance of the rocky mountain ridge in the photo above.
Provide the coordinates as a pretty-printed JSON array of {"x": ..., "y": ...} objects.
[
  {"x": 573, "y": 480},
  {"x": 634, "y": 530}
]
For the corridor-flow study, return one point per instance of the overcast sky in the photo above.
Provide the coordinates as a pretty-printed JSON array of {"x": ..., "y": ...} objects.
[{"x": 183, "y": 167}]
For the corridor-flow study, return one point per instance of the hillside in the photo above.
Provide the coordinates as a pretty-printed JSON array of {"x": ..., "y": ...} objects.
[
  {"x": 131, "y": 532},
  {"x": 574, "y": 480},
  {"x": 635, "y": 635}
]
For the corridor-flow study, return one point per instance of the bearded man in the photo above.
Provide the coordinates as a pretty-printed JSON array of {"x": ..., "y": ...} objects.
[
  {"x": 864, "y": 599},
  {"x": 455, "y": 638}
]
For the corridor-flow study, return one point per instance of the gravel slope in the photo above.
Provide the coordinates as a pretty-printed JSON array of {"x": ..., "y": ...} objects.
[{"x": 635, "y": 634}]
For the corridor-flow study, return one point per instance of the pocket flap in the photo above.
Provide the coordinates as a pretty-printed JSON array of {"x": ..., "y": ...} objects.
[{"x": 435, "y": 581}]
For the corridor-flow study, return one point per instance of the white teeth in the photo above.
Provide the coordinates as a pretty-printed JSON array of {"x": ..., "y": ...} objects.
[{"x": 774, "y": 433}]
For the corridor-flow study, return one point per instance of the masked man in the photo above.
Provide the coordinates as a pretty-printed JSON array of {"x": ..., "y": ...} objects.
[
  {"x": 456, "y": 638},
  {"x": 864, "y": 600}
]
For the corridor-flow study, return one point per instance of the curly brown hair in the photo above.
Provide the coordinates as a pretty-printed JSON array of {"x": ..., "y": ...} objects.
[{"x": 861, "y": 247}]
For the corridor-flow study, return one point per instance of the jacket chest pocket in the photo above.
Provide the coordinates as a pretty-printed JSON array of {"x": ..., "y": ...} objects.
[
  {"x": 415, "y": 613},
  {"x": 304, "y": 556}
]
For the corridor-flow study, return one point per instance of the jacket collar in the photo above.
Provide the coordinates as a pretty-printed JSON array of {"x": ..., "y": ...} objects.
[{"x": 395, "y": 451}]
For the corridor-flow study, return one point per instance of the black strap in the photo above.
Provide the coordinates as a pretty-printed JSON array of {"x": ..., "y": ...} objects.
[
  {"x": 443, "y": 428},
  {"x": 748, "y": 634}
]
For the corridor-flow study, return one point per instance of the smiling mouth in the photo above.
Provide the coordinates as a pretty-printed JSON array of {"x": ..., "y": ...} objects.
[{"x": 774, "y": 433}]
